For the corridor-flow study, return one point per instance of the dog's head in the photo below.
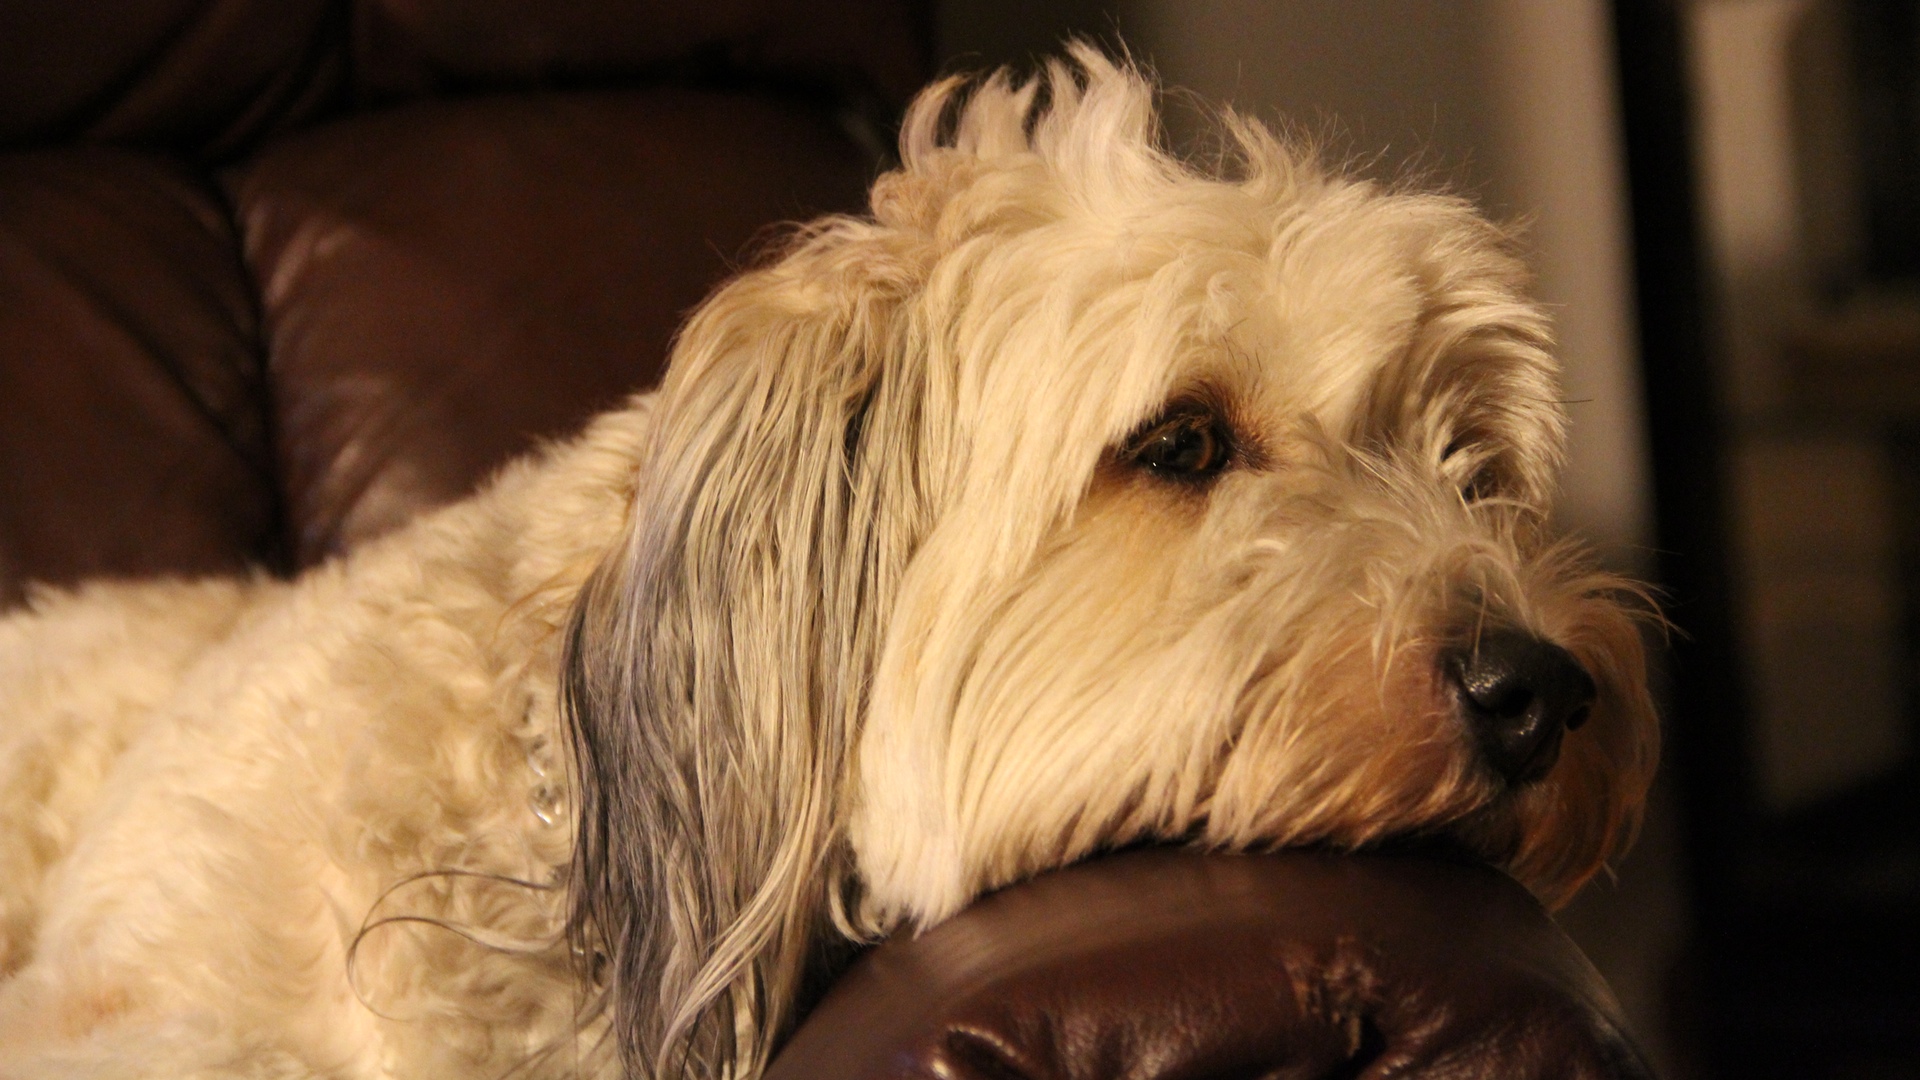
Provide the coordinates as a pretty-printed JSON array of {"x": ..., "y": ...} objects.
[{"x": 1072, "y": 499}]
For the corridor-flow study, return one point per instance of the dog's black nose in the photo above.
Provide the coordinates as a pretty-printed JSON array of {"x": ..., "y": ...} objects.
[{"x": 1519, "y": 693}]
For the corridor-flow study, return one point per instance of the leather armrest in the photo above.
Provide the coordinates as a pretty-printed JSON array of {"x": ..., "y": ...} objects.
[{"x": 1170, "y": 964}]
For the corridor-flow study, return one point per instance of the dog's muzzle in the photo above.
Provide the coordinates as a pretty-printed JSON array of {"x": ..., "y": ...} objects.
[{"x": 1519, "y": 694}]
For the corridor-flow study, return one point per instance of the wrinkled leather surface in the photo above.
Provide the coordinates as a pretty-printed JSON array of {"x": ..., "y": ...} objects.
[
  {"x": 132, "y": 438},
  {"x": 194, "y": 76},
  {"x": 1177, "y": 965}
]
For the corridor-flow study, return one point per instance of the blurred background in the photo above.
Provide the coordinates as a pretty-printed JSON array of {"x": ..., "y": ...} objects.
[{"x": 1724, "y": 214}]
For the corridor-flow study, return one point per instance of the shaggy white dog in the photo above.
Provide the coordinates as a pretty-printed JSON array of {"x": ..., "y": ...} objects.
[{"x": 1071, "y": 499}]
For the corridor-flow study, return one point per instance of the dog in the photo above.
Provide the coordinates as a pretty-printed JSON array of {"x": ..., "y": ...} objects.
[{"x": 1074, "y": 497}]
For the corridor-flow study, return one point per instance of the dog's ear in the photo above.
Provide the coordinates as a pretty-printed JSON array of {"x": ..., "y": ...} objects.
[{"x": 717, "y": 661}]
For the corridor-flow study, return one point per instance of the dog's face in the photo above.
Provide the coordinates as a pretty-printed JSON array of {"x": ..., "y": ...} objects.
[
  {"x": 1078, "y": 499},
  {"x": 1242, "y": 541}
]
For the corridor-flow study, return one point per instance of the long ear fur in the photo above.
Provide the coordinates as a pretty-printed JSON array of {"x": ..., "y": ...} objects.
[{"x": 717, "y": 661}]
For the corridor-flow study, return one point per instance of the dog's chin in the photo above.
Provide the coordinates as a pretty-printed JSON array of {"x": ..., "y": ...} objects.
[
  {"x": 1491, "y": 836},
  {"x": 1446, "y": 845},
  {"x": 1494, "y": 834},
  {"x": 1521, "y": 832}
]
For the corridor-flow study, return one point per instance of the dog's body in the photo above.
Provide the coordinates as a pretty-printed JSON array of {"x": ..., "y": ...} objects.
[
  {"x": 209, "y": 789},
  {"x": 1073, "y": 499}
]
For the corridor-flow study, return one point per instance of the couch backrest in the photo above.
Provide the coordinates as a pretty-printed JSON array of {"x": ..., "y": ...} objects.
[{"x": 276, "y": 274}]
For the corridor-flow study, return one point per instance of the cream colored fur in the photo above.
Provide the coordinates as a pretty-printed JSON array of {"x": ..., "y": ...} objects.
[
  {"x": 868, "y": 610},
  {"x": 208, "y": 790}
]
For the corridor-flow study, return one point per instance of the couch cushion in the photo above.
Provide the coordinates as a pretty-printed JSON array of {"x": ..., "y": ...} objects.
[
  {"x": 200, "y": 76},
  {"x": 132, "y": 439},
  {"x": 443, "y": 284}
]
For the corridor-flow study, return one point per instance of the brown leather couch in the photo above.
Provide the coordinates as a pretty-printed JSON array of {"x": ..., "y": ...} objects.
[{"x": 276, "y": 274}]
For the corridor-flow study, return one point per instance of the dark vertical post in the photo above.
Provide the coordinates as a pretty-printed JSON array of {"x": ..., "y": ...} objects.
[{"x": 1708, "y": 738}]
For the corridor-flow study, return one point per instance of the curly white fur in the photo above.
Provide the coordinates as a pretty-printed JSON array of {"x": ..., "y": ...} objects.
[{"x": 868, "y": 610}]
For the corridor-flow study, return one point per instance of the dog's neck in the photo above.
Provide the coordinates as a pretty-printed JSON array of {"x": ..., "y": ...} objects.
[
  {"x": 565, "y": 508},
  {"x": 531, "y": 537}
]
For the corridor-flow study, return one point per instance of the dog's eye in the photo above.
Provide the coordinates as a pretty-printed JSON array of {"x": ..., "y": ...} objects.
[
  {"x": 1482, "y": 483},
  {"x": 1188, "y": 444}
]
